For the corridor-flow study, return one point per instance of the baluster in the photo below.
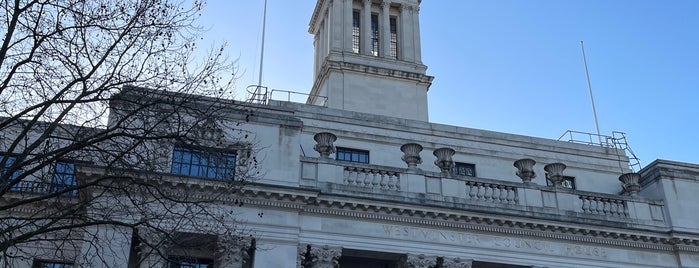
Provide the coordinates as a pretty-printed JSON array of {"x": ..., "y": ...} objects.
[
  {"x": 397, "y": 175},
  {"x": 495, "y": 194},
  {"x": 350, "y": 176},
  {"x": 391, "y": 181},
  {"x": 473, "y": 190},
  {"x": 384, "y": 180},
  {"x": 367, "y": 177},
  {"x": 606, "y": 208},
  {"x": 376, "y": 178},
  {"x": 614, "y": 208},
  {"x": 345, "y": 175},
  {"x": 487, "y": 192},
  {"x": 503, "y": 193},
  {"x": 620, "y": 208},
  {"x": 481, "y": 191},
  {"x": 624, "y": 208},
  {"x": 510, "y": 195},
  {"x": 585, "y": 204},
  {"x": 599, "y": 205}
]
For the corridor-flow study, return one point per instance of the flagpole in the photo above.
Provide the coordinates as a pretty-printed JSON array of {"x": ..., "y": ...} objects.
[{"x": 589, "y": 87}]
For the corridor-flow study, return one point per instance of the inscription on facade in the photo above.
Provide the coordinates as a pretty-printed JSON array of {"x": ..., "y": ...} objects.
[{"x": 490, "y": 241}]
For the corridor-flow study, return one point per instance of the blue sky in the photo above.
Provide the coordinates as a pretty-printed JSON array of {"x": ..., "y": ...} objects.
[{"x": 516, "y": 66}]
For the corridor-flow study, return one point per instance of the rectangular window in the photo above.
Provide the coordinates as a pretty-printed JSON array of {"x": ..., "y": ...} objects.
[
  {"x": 352, "y": 155},
  {"x": 374, "y": 34},
  {"x": 464, "y": 169},
  {"x": 394, "y": 38},
  {"x": 211, "y": 163},
  {"x": 64, "y": 177},
  {"x": 355, "y": 31},
  {"x": 8, "y": 163},
  {"x": 52, "y": 264},
  {"x": 568, "y": 182},
  {"x": 189, "y": 262}
]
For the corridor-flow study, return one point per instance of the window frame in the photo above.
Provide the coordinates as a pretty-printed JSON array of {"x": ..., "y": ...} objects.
[
  {"x": 59, "y": 178},
  {"x": 393, "y": 28},
  {"x": 375, "y": 35},
  {"x": 189, "y": 262},
  {"x": 466, "y": 166},
  {"x": 351, "y": 152},
  {"x": 200, "y": 166},
  {"x": 356, "y": 31},
  {"x": 52, "y": 264},
  {"x": 566, "y": 178}
]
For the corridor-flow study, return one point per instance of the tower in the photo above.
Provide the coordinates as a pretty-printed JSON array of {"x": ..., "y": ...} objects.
[{"x": 367, "y": 57}]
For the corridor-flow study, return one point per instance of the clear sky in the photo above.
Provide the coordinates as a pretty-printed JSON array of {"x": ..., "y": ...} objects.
[{"x": 516, "y": 66}]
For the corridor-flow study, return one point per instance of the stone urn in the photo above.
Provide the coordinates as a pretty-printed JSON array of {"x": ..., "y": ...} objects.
[
  {"x": 554, "y": 172},
  {"x": 411, "y": 154},
  {"x": 630, "y": 183},
  {"x": 324, "y": 143},
  {"x": 525, "y": 169},
  {"x": 444, "y": 161}
]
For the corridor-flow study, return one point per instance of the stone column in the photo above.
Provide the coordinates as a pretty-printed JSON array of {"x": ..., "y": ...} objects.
[
  {"x": 347, "y": 26},
  {"x": 337, "y": 24},
  {"x": 456, "y": 263},
  {"x": 232, "y": 252},
  {"x": 406, "y": 33},
  {"x": 385, "y": 40},
  {"x": 365, "y": 31},
  {"x": 417, "y": 261},
  {"x": 416, "y": 34},
  {"x": 326, "y": 256}
]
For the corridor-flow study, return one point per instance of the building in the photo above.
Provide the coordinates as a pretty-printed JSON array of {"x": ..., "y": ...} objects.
[{"x": 358, "y": 177}]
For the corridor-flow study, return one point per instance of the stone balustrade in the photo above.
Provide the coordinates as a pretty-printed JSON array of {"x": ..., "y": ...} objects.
[
  {"x": 372, "y": 178},
  {"x": 604, "y": 206},
  {"x": 434, "y": 187},
  {"x": 491, "y": 192}
]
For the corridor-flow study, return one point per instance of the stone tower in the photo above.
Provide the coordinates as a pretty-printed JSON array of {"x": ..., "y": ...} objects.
[{"x": 367, "y": 57}]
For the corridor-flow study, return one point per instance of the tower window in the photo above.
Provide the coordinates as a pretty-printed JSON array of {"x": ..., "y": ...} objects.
[
  {"x": 394, "y": 38},
  {"x": 374, "y": 34},
  {"x": 355, "y": 31}
]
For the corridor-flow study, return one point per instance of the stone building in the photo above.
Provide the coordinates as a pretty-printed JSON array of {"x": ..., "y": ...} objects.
[{"x": 358, "y": 177}]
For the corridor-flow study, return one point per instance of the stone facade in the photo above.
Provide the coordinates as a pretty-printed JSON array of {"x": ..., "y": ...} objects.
[{"x": 318, "y": 206}]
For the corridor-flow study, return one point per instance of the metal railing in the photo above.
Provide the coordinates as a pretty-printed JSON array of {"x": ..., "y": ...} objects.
[
  {"x": 587, "y": 138},
  {"x": 40, "y": 187}
]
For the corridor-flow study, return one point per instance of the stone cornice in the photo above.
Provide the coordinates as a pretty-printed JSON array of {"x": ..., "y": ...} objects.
[{"x": 467, "y": 220}]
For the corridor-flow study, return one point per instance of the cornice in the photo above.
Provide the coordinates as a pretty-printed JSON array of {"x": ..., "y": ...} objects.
[{"x": 485, "y": 223}]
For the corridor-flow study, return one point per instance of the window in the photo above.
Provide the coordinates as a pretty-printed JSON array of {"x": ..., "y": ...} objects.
[
  {"x": 352, "y": 155},
  {"x": 464, "y": 169},
  {"x": 211, "y": 163},
  {"x": 52, "y": 264},
  {"x": 189, "y": 262},
  {"x": 568, "y": 182},
  {"x": 374, "y": 34},
  {"x": 8, "y": 163},
  {"x": 64, "y": 177},
  {"x": 394, "y": 38},
  {"x": 355, "y": 31}
]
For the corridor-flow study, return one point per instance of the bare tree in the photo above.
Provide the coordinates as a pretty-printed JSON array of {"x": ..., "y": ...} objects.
[{"x": 94, "y": 97}]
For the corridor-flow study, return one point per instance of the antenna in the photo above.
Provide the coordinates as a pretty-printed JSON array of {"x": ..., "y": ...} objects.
[{"x": 589, "y": 86}]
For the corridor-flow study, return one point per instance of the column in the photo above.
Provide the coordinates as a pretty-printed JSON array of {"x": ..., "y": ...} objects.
[
  {"x": 406, "y": 33},
  {"x": 456, "y": 263},
  {"x": 347, "y": 26},
  {"x": 365, "y": 31},
  {"x": 385, "y": 40},
  {"x": 232, "y": 251},
  {"x": 326, "y": 256},
  {"x": 417, "y": 261},
  {"x": 416, "y": 33},
  {"x": 336, "y": 23}
]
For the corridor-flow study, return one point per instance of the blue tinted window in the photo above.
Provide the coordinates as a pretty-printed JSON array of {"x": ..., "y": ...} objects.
[
  {"x": 352, "y": 155},
  {"x": 188, "y": 262},
  {"x": 200, "y": 163},
  {"x": 43, "y": 264},
  {"x": 10, "y": 161},
  {"x": 64, "y": 176}
]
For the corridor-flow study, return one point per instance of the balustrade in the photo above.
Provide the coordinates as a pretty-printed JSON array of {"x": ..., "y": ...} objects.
[
  {"x": 604, "y": 206},
  {"x": 372, "y": 178},
  {"x": 490, "y": 192}
]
